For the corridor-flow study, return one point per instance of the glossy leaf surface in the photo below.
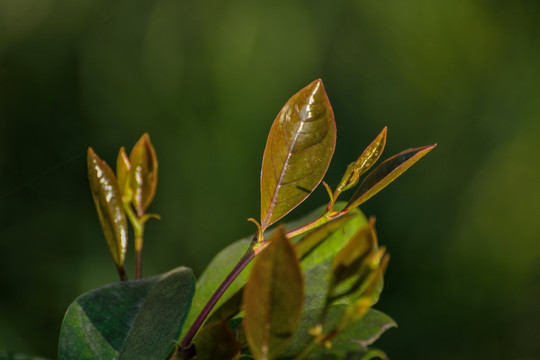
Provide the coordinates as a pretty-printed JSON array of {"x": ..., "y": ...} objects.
[
  {"x": 123, "y": 174},
  {"x": 217, "y": 341},
  {"x": 298, "y": 150},
  {"x": 273, "y": 299},
  {"x": 144, "y": 172},
  {"x": 137, "y": 319},
  {"x": 369, "y": 157},
  {"x": 108, "y": 201},
  {"x": 387, "y": 172}
]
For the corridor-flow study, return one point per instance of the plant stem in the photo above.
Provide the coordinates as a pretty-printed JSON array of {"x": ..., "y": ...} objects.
[
  {"x": 242, "y": 263},
  {"x": 122, "y": 273},
  {"x": 138, "y": 255}
]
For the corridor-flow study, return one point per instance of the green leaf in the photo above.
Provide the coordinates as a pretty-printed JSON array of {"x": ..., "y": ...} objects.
[
  {"x": 300, "y": 145},
  {"x": 137, "y": 319},
  {"x": 213, "y": 276},
  {"x": 369, "y": 157},
  {"x": 356, "y": 338},
  {"x": 273, "y": 299},
  {"x": 385, "y": 173},
  {"x": 217, "y": 341},
  {"x": 144, "y": 171},
  {"x": 108, "y": 201}
]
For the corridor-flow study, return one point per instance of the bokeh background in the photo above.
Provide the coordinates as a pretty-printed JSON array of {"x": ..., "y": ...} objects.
[{"x": 206, "y": 79}]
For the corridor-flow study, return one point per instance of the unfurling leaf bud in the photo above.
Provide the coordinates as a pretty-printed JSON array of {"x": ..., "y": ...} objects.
[
  {"x": 143, "y": 179},
  {"x": 107, "y": 198},
  {"x": 123, "y": 175}
]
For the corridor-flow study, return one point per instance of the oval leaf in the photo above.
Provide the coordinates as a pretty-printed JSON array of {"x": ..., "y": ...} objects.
[
  {"x": 273, "y": 299},
  {"x": 144, "y": 167},
  {"x": 300, "y": 145},
  {"x": 369, "y": 157},
  {"x": 137, "y": 319},
  {"x": 108, "y": 201},
  {"x": 385, "y": 173}
]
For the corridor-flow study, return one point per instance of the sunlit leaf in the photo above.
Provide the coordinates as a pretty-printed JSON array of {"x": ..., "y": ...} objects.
[
  {"x": 128, "y": 320},
  {"x": 385, "y": 173},
  {"x": 300, "y": 145},
  {"x": 217, "y": 341},
  {"x": 273, "y": 299},
  {"x": 123, "y": 174},
  {"x": 108, "y": 201},
  {"x": 355, "y": 260},
  {"x": 144, "y": 172},
  {"x": 369, "y": 157}
]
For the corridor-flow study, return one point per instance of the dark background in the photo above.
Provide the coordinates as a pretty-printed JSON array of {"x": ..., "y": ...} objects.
[{"x": 206, "y": 79}]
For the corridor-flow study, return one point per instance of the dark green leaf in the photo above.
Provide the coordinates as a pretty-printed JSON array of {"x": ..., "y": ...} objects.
[
  {"x": 385, "y": 173},
  {"x": 369, "y": 157},
  {"x": 144, "y": 172},
  {"x": 300, "y": 145},
  {"x": 217, "y": 341},
  {"x": 108, "y": 201},
  {"x": 128, "y": 320},
  {"x": 273, "y": 299}
]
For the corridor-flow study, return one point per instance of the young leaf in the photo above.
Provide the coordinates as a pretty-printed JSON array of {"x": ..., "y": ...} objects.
[
  {"x": 144, "y": 167},
  {"x": 300, "y": 145},
  {"x": 273, "y": 299},
  {"x": 369, "y": 157},
  {"x": 385, "y": 173},
  {"x": 108, "y": 201},
  {"x": 137, "y": 319},
  {"x": 123, "y": 174},
  {"x": 217, "y": 341}
]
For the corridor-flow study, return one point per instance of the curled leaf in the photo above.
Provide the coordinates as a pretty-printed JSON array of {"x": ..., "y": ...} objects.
[
  {"x": 273, "y": 299},
  {"x": 369, "y": 157},
  {"x": 300, "y": 145},
  {"x": 144, "y": 168},
  {"x": 385, "y": 173},
  {"x": 107, "y": 198}
]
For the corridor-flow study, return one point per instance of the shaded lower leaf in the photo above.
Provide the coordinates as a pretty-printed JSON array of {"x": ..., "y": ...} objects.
[
  {"x": 217, "y": 341},
  {"x": 273, "y": 299},
  {"x": 128, "y": 320},
  {"x": 356, "y": 338}
]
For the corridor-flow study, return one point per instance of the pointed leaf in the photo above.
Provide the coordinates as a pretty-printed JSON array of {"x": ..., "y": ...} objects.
[
  {"x": 123, "y": 174},
  {"x": 217, "y": 341},
  {"x": 385, "y": 173},
  {"x": 369, "y": 157},
  {"x": 144, "y": 167},
  {"x": 300, "y": 145},
  {"x": 273, "y": 299},
  {"x": 108, "y": 201},
  {"x": 137, "y": 319}
]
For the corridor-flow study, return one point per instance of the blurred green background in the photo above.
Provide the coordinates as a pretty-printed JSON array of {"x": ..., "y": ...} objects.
[{"x": 206, "y": 79}]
